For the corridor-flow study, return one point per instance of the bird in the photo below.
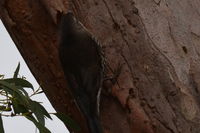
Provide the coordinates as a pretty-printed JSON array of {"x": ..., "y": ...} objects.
[{"x": 81, "y": 60}]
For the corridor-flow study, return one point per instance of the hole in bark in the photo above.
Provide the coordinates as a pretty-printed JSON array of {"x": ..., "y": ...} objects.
[
  {"x": 130, "y": 22},
  {"x": 131, "y": 93},
  {"x": 96, "y": 3},
  {"x": 135, "y": 10},
  {"x": 185, "y": 49},
  {"x": 116, "y": 26}
]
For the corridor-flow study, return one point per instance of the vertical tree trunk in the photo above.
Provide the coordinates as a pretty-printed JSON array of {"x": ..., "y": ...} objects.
[{"x": 152, "y": 45}]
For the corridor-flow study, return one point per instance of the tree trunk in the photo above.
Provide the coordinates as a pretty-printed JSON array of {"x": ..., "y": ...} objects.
[{"x": 152, "y": 45}]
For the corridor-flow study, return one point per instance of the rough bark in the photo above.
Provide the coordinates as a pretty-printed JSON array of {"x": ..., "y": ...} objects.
[{"x": 155, "y": 42}]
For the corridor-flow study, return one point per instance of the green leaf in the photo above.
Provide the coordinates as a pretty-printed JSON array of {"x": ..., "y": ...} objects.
[
  {"x": 16, "y": 71},
  {"x": 18, "y": 107},
  {"x": 19, "y": 82},
  {"x": 41, "y": 127},
  {"x": 12, "y": 90},
  {"x": 68, "y": 121},
  {"x": 1, "y": 125},
  {"x": 39, "y": 111},
  {"x": 22, "y": 90}
]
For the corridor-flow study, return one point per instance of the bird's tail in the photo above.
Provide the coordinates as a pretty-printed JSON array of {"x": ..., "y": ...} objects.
[{"x": 94, "y": 125}]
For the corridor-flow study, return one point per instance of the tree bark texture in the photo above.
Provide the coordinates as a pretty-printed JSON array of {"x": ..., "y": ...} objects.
[{"x": 153, "y": 45}]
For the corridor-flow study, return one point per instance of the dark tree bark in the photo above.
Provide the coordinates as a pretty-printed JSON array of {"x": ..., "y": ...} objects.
[{"x": 154, "y": 42}]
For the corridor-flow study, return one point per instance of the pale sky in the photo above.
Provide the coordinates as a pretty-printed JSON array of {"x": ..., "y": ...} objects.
[{"x": 9, "y": 58}]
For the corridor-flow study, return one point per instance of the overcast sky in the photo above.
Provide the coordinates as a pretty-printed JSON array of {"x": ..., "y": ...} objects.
[{"x": 9, "y": 58}]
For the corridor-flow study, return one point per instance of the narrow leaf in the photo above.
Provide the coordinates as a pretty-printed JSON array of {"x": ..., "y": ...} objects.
[
  {"x": 41, "y": 127},
  {"x": 19, "y": 82},
  {"x": 22, "y": 90},
  {"x": 68, "y": 121},
  {"x": 1, "y": 125},
  {"x": 18, "y": 107},
  {"x": 12, "y": 90},
  {"x": 16, "y": 71},
  {"x": 39, "y": 111}
]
